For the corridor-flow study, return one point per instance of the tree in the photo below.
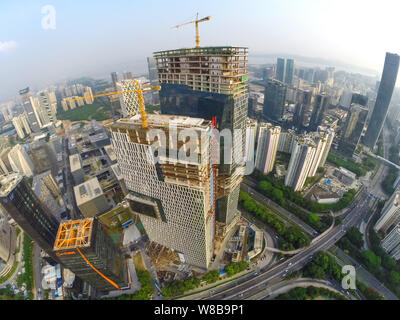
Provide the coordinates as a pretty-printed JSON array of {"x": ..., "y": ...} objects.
[
  {"x": 313, "y": 218},
  {"x": 395, "y": 277},
  {"x": 211, "y": 276},
  {"x": 356, "y": 237},
  {"x": 314, "y": 271},
  {"x": 371, "y": 259}
]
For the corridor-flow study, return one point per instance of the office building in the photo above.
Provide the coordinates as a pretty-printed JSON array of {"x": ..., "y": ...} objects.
[
  {"x": 385, "y": 92},
  {"x": 300, "y": 163},
  {"x": 303, "y": 103},
  {"x": 46, "y": 197},
  {"x": 390, "y": 215},
  {"x": 114, "y": 79},
  {"x": 204, "y": 83},
  {"x": 355, "y": 123},
  {"x": 20, "y": 161},
  {"x": 22, "y": 205},
  {"x": 75, "y": 163},
  {"x": 129, "y": 100},
  {"x": 274, "y": 100},
  {"x": 174, "y": 199},
  {"x": 127, "y": 75},
  {"x": 321, "y": 104},
  {"x": 90, "y": 198},
  {"x": 84, "y": 247},
  {"x": 391, "y": 243},
  {"x": 280, "y": 69},
  {"x": 152, "y": 67},
  {"x": 289, "y": 72},
  {"x": 30, "y": 108},
  {"x": 267, "y": 147}
]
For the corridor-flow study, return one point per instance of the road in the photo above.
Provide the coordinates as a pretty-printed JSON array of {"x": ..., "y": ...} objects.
[{"x": 241, "y": 289}]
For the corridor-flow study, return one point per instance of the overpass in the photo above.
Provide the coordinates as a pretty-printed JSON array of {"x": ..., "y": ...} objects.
[{"x": 385, "y": 161}]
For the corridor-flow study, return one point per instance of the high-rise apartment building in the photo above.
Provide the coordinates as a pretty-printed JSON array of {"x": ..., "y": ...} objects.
[
  {"x": 390, "y": 214},
  {"x": 274, "y": 100},
  {"x": 31, "y": 109},
  {"x": 174, "y": 199},
  {"x": 267, "y": 147},
  {"x": 211, "y": 82},
  {"x": 21, "y": 203},
  {"x": 127, "y": 75},
  {"x": 391, "y": 243},
  {"x": 20, "y": 161},
  {"x": 300, "y": 163},
  {"x": 87, "y": 250},
  {"x": 355, "y": 123},
  {"x": 17, "y": 123},
  {"x": 47, "y": 105},
  {"x": 286, "y": 140},
  {"x": 330, "y": 134},
  {"x": 385, "y": 92},
  {"x": 321, "y": 143},
  {"x": 251, "y": 133},
  {"x": 88, "y": 94}
]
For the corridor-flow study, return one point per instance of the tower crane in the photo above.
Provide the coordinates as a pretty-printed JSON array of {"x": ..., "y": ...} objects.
[
  {"x": 139, "y": 93},
  {"x": 196, "y": 22}
]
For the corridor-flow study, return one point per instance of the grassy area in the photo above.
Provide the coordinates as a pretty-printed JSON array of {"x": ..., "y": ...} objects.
[
  {"x": 10, "y": 273},
  {"x": 27, "y": 277},
  {"x": 360, "y": 170},
  {"x": 96, "y": 111},
  {"x": 115, "y": 218}
]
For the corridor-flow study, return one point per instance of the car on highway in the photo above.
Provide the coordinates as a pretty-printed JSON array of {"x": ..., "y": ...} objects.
[
  {"x": 289, "y": 264},
  {"x": 240, "y": 295}
]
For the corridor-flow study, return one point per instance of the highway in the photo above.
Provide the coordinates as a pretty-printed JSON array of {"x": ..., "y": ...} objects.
[{"x": 244, "y": 288}]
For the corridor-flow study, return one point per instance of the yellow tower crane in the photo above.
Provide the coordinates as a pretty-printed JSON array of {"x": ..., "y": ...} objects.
[{"x": 196, "y": 22}]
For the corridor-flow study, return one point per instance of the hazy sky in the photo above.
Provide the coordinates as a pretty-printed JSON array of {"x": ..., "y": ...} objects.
[{"x": 93, "y": 37}]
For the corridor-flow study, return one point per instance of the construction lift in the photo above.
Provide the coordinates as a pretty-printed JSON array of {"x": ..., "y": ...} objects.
[{"x": 196, "y": 22}]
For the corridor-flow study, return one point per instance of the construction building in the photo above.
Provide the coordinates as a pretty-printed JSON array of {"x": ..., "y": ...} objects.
[
  {"x": 85, "y": 248},
  {"x": 207, "y": 82},
  {"x": 267, "y": 147},
  {"x": 22, "y": 205},
  {"x": 90, "y": 198},
  {"x": 174, "y": 198}
]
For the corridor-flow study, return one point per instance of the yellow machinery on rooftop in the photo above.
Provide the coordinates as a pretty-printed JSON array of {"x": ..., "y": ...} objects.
[{"x": 196, "y": 22}]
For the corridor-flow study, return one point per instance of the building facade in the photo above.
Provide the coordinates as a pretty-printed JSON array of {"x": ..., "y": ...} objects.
[
  {"x": 267, "y": 147},
  {"x": 385, "y": 92}
]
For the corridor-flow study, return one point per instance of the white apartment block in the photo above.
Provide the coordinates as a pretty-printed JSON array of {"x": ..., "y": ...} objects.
[
  {"x": 17, "y": 123},
  {"x": 391, "y": 243},
  {"x": 300, "y": 163},
  {"x": 20, "y": 161},
  {"x": 390, "y": 213},
  {"x": 267, "y": 147},
  {"x": 251, "y": 133},
  {"x": 172, "y": 198}
]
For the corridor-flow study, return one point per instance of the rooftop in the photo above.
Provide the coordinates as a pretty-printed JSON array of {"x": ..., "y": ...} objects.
[
  {"x": 160, "y": 120},
  {"x": 8, "y": 183},
  {"x": 87, "y": 191},
  {"x": 211, "y": 50},
  {"x": 109, "y": 150},
  {"x": 74, "y": 234},
  {"x": 75, "y": 162}
]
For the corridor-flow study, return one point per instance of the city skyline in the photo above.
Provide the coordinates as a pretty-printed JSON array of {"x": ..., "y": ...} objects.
[{"x": 38, "y": 57}]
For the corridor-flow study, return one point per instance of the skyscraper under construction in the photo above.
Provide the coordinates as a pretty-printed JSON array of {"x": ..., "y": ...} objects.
[
  {"x": 209, "y": 82},
  {"x": 87, "y": 250},
  {"x": 174, "y": 198}
]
